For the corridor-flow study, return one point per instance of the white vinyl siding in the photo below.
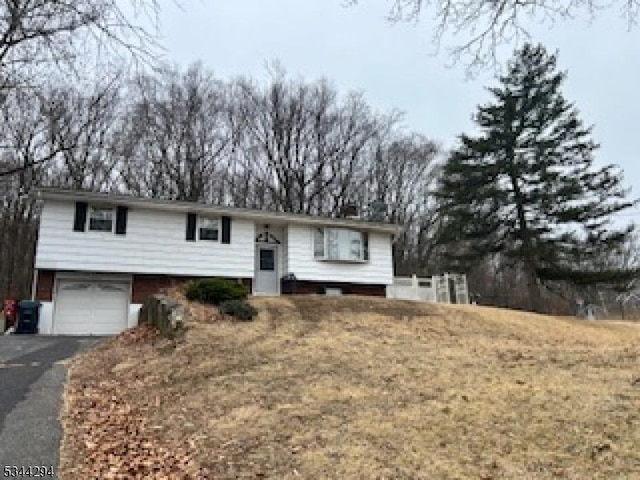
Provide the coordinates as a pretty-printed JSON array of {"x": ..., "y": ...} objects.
[
  {"x": 301, "y": 261},
  {"x": 155, "y": 243}
]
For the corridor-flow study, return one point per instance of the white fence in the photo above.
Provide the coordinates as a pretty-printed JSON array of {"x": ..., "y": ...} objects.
[{"x": 446, "y": 288}]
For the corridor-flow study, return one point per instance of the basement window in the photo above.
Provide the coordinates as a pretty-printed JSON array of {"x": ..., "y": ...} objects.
[{"x": 341, "y": 245}]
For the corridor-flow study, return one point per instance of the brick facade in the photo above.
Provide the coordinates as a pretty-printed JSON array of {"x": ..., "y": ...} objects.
[
  {"x": 306, "y": 287},
  {"x": 44, "y": 285},
  {"x": 146, "y": 285}
]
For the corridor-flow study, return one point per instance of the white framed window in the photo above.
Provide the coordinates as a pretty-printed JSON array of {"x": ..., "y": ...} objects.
[
  {"x": 101, "y": 219},
  {"x": 340, "y": 244},
  {"x": 208, "y": 229}
]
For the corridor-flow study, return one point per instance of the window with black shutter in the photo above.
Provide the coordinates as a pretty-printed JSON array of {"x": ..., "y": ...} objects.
[
  {"x": 121, "y": 220},
  {"x": 80, "y": 217},
  {"x": 191, "y": 227},
  {"x": 226, "y": 229}
]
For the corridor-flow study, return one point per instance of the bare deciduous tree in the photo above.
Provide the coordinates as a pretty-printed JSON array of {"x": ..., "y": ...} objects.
[
  {"x": 181, "y": 132},
  {"x": 36, "y": 32},
  {"x": 23, "y": 146},
  {"x": 39, "y": 37},
  {"x": 398, "y": 189},
  {"x": 480, "y": 27},
  {"x": 81, "y": 128},
  {"x": 305, "y": 145}
]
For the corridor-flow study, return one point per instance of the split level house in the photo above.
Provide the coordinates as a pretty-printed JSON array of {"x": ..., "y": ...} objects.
[{"x": 100, "y": 256}]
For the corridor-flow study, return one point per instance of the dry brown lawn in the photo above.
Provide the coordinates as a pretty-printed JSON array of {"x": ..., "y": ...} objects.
[{"x": 363, "y": 388}]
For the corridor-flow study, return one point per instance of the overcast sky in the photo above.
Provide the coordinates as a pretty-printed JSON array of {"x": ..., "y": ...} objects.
[{"x": 393, "y": 64}]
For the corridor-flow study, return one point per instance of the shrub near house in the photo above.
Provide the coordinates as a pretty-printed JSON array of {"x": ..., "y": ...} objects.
[
  {"x": 229, "y": 297},
  {"x": 215, "y": 290},
  {"x": 239, "y": 309}
]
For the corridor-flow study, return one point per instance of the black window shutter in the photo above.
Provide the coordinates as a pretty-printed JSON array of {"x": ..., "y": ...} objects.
[
  {"x": 191, "y": 227},
  {"x": 226, "y": 229},
  {"x": 365, "y": 245},
  {"x": 80, "y": 218},
  {"x": 121, "y": 220}
]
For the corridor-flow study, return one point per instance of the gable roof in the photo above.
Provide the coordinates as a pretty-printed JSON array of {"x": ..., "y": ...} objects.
[{"x": 204, "y": 209}]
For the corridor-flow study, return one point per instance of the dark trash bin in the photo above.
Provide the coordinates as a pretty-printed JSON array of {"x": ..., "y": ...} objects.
[{"x": 28, "y": 316}]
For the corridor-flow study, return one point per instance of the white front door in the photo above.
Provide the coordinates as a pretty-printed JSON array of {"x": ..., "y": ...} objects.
[{"x": 267, "y": 281}]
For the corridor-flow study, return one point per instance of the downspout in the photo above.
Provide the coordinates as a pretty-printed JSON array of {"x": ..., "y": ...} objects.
[
  {"x": 34, "y": 284},
  {"x": 37, "y": 196}
]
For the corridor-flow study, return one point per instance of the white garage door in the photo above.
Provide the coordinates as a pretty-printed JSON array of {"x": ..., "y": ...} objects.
[{"x": 90, "y": 307}]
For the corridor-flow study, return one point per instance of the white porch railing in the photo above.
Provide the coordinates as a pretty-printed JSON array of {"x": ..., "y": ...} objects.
[{"x": 446, "y": 288}]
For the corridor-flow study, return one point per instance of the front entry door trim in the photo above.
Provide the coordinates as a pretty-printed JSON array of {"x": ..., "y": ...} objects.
[{"x": 267, "y": 276}]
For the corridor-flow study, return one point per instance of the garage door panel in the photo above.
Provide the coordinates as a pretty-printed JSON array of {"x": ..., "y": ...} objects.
[
  {"x": 72, "y": 303},
  {"x": 109, "y": 310},
  {"x": 69, "y": 286},
  {"x": 91, "y": 307}
]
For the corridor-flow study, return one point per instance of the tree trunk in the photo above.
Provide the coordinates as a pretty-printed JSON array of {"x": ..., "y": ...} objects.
[{"x": 536, "y": 302}]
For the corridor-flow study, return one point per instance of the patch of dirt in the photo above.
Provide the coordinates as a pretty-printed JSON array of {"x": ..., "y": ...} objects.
[{"x": 355, "y": 387}]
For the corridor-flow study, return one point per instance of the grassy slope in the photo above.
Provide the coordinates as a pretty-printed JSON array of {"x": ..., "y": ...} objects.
[{"x": 372, "y": 388}]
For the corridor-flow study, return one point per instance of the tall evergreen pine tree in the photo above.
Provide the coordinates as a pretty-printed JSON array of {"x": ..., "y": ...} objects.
[{"x": 525, "y": 187}]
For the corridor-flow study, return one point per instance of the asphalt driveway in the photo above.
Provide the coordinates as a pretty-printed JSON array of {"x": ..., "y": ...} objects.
[{"x": 32, "y": 376}]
